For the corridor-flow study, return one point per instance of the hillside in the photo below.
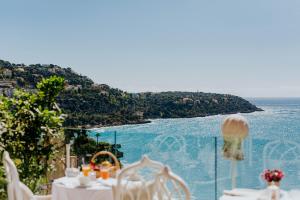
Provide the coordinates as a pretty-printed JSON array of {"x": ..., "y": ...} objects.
[{"x": 90, "y": 104}]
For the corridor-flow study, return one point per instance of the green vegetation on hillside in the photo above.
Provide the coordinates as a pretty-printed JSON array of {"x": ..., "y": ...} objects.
[
  {"x": 90, "y": 104},
  {"x": 191, "y": 104}
]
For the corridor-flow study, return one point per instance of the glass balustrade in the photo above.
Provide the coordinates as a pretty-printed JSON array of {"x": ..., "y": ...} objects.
[{"x": 198, "y": 160}]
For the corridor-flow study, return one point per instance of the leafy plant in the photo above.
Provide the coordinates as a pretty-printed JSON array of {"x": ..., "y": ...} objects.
[
  {"x": 31, "y": 130},
  {"x": 2, "y": 184},
  {"x": 85, "y": 146}
]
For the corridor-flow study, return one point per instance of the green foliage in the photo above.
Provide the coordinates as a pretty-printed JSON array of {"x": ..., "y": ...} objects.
[
  {"x": 98, "y": 106},
  {"x": 29, "y": 76},
  {"x": 190, "y": 104},
  {"x": 84, "y": 145},
  {"x": 2, "y": 183},
  {"x": 49, "y": 90},
  {"x": 32, "y": 129},
  {"x": 115, "y": 107}
]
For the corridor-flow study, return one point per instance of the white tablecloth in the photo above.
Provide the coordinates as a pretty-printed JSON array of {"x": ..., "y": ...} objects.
[
  {"x": 248, "y": 194},
  {"x": 69, "y": 189}
]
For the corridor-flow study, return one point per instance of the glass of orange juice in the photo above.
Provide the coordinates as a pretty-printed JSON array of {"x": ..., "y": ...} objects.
[
  {"x": 86, "y": 169},
  {"x": 104, "y": 173}
]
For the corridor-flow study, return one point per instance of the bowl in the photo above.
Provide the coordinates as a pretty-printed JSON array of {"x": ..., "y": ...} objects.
[{"x": 84, "y": 180}]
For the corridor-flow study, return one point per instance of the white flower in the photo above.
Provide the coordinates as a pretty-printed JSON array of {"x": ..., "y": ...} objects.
[{"x": 2, "y": 128}]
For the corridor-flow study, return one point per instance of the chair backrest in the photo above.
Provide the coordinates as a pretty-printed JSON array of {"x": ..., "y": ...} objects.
[
  {"x": 170, "y": 186},
  {"x": 133, "y": 183},
  {"x": 15, "y": 189}
]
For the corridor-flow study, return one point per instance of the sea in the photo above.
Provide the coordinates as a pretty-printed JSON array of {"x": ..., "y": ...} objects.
[{"x": 192, "y": 147}]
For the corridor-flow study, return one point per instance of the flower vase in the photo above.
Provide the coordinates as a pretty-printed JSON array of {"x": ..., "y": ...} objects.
[
  {"x": 269, "y": 183},
  {"x": 275, "y": 195},
  {"x": 277, "y": 183},
  {"x": 273, "y": 187}
]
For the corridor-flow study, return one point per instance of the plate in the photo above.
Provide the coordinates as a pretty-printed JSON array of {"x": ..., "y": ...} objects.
[{"x": 85, "y": 186}]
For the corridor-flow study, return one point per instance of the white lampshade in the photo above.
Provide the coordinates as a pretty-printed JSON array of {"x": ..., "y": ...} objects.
[{"x": 235, "y": 126}]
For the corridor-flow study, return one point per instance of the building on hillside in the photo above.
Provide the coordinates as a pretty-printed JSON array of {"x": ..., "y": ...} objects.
[
  {"x": 7, "y": 87},
  {"x": 215, "y": 101},
  {"x": 19, "y": 68},
  {"x": 187, "y": 100},
  {"x": 7, "y": 84},
  {"x": 7, "y": 73},
  {"x": 73, "y": 87},
  {"x": 139, "y": 114},
  {"x": 54, "y": 69}
]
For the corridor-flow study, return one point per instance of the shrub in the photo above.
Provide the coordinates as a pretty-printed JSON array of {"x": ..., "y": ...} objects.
[{"x": 31, "y": 130}]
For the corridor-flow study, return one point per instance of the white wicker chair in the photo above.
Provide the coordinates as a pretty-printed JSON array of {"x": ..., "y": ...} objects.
[
  {"x": 16, "y": 190},
  {"x": 162, "y": 184}
]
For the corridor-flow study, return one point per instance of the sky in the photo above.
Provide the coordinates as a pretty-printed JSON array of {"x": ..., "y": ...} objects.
[{"x": 245, "y": 48}]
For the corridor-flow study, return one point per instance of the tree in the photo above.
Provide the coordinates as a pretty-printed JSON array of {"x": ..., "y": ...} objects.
[
  {"x": 97, "y": 136},
  {"x": 32, "y": 129},
  {"x": 84, "y": 146}
]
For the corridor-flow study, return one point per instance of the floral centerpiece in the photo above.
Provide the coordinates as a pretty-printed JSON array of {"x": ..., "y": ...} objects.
[
  {"x": 273, "y": 176},
  {"x": 112, "y": 169}
]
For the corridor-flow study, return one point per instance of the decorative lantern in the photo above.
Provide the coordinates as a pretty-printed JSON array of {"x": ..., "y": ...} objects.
[{"x": 235, "y": 129}]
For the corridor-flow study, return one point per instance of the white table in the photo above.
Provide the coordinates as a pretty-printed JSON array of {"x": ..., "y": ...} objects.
[
  {"x": 68, "y": 189},
  {"x": 248, "y": 194}
]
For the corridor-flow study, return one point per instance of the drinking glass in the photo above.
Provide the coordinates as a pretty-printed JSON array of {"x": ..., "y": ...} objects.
[
  {"x": 104, "y": 173},
  {"x": 86, "y": 169}
]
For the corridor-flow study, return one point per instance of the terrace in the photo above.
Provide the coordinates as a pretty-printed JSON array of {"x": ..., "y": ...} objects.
[
  {"x": 224, "y": 167},
  {"x": 199, "y": 161},
  {"x": 212, "y": 166}
]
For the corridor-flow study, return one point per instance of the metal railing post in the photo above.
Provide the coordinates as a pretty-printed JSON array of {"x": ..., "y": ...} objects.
[
  {"x": 115, "y": 141},
  {"x": 216, "y": 168}
]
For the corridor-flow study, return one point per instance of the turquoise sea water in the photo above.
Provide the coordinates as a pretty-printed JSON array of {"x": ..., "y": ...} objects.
[{"x": 192, "y": 147}]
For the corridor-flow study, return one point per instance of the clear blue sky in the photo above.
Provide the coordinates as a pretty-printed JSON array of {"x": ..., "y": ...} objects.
[{"x": 247, "y": 48}]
